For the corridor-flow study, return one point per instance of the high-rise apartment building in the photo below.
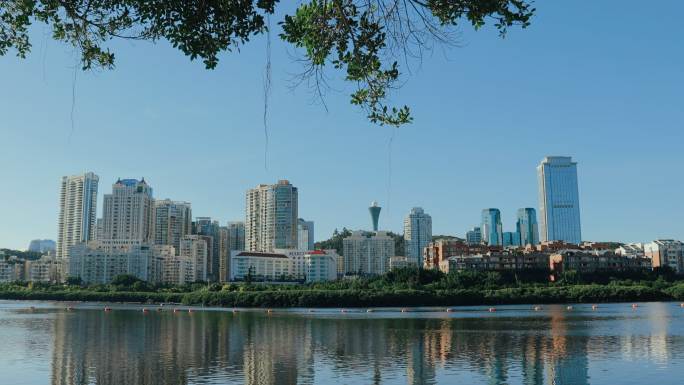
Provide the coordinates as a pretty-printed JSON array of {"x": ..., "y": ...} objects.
[
  {"x": 492, "y": 232},
  {"x": 77, "y": 211},
  {"x": 128, "y": 212},
  {"x": 236, "y": 235},
  {"x": 196, "y": 248},
  {"x": 559, "y": 200},
  {"x": 527, "y": 227},
  {"x": 417, "y": 234},
  {"x": 305, "y": 235},
  {"x": 271, "y": 217},
  {"x": 367, "y": 253},
  {"x": 173, "y": 221},
  {"x": 207, "y": 227},
  {"x": 474, "y": 236}
]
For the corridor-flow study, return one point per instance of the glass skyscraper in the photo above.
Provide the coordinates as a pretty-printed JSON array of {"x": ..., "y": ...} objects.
[
  {"x": 492, "y": 233},
  {"x": 527, "y": 227},
  {"x": 559, "y": 200}
]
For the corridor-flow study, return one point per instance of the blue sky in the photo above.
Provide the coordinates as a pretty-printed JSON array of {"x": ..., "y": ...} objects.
[{"x": 599, "y": 81}]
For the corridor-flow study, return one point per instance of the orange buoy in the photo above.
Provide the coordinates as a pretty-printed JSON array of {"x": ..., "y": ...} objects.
[{"x": 492, "y": 309}]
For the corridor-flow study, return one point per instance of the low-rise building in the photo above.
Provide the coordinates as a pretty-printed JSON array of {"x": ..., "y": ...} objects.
[
  {"x": 321, "y": 265},
  {"x": 400, "y": 262},
  {"x": 496, "y": 261},
  {"x": 100, "y": 261},
  {"x": 587, "y": 262},
  {"x": 666, "y": 252},
  {"x": 435, "y": 253},
  {"x": 11, "y": 269},
  {"x": 260, "y": 266},
  {"x": 45, "y": 269},
  {"x": 631, "y": 250}
]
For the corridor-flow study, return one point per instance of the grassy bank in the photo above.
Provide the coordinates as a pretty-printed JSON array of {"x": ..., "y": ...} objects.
[
  {"x": 365, "y": 298},
  {"x": 405, "y": 287}
]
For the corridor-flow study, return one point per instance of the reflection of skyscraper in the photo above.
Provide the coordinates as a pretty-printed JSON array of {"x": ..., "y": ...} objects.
[
  {"x": 568, "y": 363},
  {"x": 374, "y": 210}
]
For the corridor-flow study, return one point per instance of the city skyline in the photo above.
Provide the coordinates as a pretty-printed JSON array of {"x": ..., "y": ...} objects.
[
  {"x": 559, "y": 91},
  {"x": 397, "y": 229}
]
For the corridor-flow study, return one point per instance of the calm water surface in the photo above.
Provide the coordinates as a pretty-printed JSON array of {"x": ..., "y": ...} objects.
[{"x": 614, "y": 344}]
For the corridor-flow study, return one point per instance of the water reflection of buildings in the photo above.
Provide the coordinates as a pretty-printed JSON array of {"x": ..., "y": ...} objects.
[{"x": 126, "y": 347}]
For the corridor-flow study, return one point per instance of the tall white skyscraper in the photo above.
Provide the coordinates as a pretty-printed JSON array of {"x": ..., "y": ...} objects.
[
  {"x": 271, "y": 217},
  {"x": 172, "y": 221},
  {"x": 77, "y": 211},
  {"x": 417, "y": 234},
  {"x": 128, "y": 212},
  {"x": 559, "y": 200},
  {"x": 305, "y": 235}
]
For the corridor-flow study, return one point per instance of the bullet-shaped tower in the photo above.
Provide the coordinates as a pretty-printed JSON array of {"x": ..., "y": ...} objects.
[{"x": 375, "y": 214}]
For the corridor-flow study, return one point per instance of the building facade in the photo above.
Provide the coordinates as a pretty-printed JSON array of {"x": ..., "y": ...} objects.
[
  {"x": 492, "y": 232},
  {"x": 559, "y": 200},
  {"x": 128, "y": 212},
  {"x": 271, "y": 217},
  {"x": 42, "y": 246},
  {"x": 173, "y": 221},
  {"x": 209, "y": 230},
  {"x": 474, "y": 236},
  {"x": 527, "y": 227},
  {"x": 511, "y": 239},
  {"x": 417, "y": 234},
  {"x": 77, "y": 211},
  {"x": 260, "y": 266},
  {"x": 666, "y": 252},
  {"x": 197, "y": 249},
  {"x": 367, "y": 254},
  {"x": 305, "y": 235},
  {"x": 99, "y": 262}
]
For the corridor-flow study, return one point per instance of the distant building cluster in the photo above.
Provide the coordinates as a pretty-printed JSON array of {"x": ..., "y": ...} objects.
[{"x": 159, "y": 240}]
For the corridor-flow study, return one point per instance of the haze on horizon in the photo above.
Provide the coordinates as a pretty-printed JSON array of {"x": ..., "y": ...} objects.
[{"x": 601, "y": 82}]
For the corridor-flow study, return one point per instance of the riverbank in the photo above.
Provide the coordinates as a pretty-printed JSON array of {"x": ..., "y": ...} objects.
[{"x": 364, "y": 298}]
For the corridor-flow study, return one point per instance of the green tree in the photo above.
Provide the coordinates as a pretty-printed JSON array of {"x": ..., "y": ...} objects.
[{"x": 362, "y": 39}]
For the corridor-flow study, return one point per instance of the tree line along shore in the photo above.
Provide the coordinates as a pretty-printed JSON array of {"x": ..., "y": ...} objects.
[{"x": 403, "y": 287}]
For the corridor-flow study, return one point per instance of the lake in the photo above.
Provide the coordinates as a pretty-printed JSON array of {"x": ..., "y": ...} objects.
[{"x": 613, "y": 344}]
